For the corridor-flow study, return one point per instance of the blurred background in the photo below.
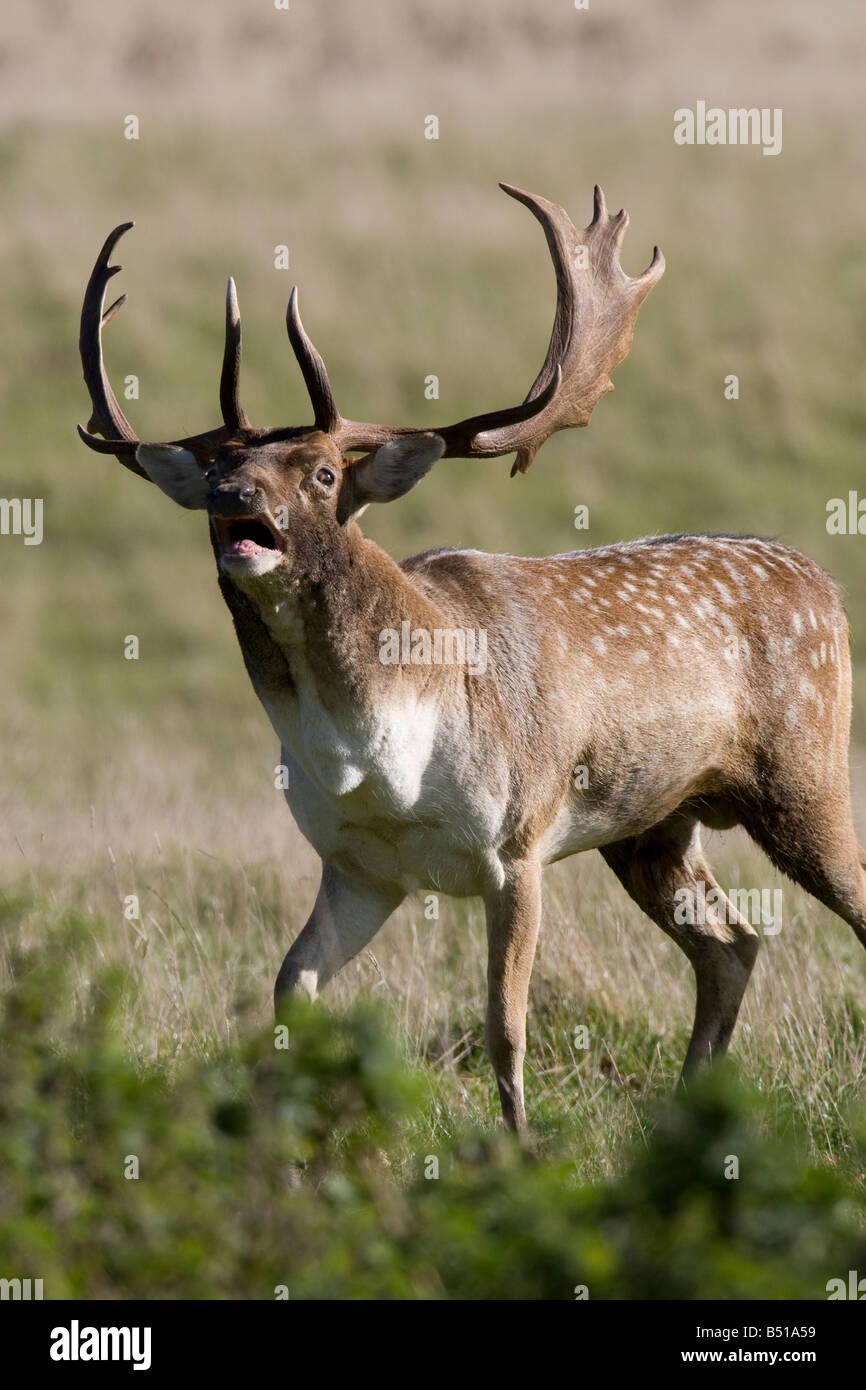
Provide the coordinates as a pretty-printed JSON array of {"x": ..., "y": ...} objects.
[{"x": 306, "y": 127}]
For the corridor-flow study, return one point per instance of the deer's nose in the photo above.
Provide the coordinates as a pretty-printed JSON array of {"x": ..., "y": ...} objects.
[{"x": 227, "y": 499}]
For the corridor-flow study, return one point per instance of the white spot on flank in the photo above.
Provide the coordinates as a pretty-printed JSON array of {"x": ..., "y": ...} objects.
[
  {"x": 598, "y": 643},
  {"x": 641, "y": 657},
  {"x": 734, "y": 573},
  {"x": 797, "y": 623},
  {"x": 813, "y": 621},
  {"x": 784, "y": 560}
]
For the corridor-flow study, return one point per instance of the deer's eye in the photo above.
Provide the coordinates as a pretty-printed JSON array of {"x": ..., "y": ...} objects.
[{"x": 326, "y": 476}]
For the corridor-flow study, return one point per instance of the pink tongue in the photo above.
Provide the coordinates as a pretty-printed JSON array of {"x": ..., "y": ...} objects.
[{"x": 244, "y": 547}]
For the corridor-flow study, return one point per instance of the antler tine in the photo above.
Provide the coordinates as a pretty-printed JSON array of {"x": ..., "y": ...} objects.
[
  {"x": 108, "y": 314},
  {"x": 654, "y": 271},
  {"x": 327, "y": 416},
  {"x": 233, "y": 413},
  {"x": 107, "y": 417}
]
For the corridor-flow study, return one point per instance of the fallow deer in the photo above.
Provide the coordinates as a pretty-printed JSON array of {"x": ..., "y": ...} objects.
[{"x": 693, "y": 679}]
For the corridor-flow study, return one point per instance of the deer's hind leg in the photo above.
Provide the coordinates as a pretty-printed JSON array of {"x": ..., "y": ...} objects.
[
  {"x": 812, "y": 840},
  {"x": 654, "y": 868}
]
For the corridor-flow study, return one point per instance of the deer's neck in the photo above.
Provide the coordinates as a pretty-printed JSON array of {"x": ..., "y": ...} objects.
[
  {"x": 339, "y": 703},
  {"x": 327, "y": 623}
]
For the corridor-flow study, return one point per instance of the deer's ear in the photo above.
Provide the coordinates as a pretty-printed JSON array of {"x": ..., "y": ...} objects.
[
  {"x": 389, "y": 473},
  {"x": 176, "y": 472}
]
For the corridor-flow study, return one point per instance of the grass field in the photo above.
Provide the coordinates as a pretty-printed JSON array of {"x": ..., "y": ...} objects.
[{"x": 155, "y": 777}]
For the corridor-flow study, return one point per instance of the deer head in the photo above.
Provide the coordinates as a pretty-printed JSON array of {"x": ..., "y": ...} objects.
[{"x": 275, "y": 496}]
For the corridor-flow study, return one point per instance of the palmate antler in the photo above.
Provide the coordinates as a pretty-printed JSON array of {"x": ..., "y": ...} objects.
[{"x": 597, "y": 305}]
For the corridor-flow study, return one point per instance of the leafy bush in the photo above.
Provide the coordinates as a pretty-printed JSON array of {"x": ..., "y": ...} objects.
[{"x": 271, "y": 1167}]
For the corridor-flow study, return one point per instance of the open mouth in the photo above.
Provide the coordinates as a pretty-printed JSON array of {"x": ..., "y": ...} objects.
[{"x": 248, "y": 537}]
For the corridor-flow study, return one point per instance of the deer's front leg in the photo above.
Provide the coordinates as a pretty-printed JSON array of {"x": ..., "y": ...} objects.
[
  {"x": 513, "y": 916},
  {"x": 345, "y": 916}
]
